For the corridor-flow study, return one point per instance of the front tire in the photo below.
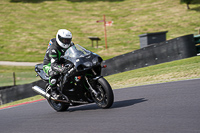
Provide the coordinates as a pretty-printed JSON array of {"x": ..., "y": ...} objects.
[{"x": 105, "y": 96}]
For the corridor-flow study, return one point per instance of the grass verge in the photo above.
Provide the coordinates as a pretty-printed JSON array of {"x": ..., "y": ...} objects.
[
  {"x": 22, "y": 101},
  {"x": 23, "y": 74}
]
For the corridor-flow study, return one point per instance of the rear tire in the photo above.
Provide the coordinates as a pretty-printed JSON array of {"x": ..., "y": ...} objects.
[
  {"x": 105, "y": 96},
  {"x": 58, "y": 106}
]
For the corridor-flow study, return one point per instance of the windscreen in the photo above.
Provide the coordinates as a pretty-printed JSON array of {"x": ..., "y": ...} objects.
[{"x": 76, "y": 51}]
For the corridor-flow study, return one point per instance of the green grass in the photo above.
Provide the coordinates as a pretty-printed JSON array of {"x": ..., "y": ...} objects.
[
  {"x": 23, "y": 75},
  {"x": 28, "y": 25}
]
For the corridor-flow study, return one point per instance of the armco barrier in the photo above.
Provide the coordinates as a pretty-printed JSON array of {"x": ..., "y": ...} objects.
[
  {"x": 13, "y": 93},
  {"x": 175, "y": 49}
]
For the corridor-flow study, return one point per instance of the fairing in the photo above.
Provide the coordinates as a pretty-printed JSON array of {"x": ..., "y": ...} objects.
[{"x": 81, "y": 58}]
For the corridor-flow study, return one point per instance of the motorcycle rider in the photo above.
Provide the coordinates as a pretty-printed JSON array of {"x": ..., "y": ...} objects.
[{"x": 52, "y": 63}]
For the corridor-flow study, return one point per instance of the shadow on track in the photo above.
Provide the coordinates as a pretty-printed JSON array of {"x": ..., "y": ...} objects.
[
  {"x": 125, "y": 103},
  {"x": 117, "y": 104}
]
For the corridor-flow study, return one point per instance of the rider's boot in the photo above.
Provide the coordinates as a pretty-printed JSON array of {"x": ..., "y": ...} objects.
[
  {"x": 53, "y": 89},
  {"x": 54, "y": 93}
]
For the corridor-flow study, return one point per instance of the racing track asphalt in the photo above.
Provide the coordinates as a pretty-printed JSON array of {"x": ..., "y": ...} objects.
[{"x": 159, "y": 108}]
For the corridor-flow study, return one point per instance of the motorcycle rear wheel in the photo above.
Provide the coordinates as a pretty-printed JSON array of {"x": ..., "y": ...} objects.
[
  {"x": 105, "y": 96},
  {"x": 58, "y": 106}
]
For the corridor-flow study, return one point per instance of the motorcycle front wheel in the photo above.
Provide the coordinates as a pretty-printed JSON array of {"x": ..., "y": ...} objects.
[{"x": 105, "y": 97}]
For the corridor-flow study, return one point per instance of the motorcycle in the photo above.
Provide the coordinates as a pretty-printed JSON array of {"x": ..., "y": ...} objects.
[{"x": 81, "y": 84}]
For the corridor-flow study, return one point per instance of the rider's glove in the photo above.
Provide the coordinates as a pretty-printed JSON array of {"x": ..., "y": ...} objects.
[{"x": 66, "y": 68}]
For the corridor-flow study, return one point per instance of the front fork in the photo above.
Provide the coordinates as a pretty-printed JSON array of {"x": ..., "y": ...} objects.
[{"x": 90, "y": 86}]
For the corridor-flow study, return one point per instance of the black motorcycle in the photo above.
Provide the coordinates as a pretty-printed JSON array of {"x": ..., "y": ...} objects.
[{"x": 81, "y": 84}]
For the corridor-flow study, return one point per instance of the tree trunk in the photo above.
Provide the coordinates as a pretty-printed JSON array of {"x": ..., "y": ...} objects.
[{"x": 188, "y": 7}]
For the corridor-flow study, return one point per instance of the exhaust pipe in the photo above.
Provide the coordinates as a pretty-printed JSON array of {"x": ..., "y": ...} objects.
[
  {"x": 41, "y": 92},
  {"x": 46, "y": 95}
]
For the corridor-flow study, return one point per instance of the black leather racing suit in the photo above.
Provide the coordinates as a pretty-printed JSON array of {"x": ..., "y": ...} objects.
[{"x": 52, "y": 61}]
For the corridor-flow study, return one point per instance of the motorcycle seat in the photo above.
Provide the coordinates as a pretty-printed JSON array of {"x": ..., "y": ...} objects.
[
  {"x": 39, "y": 66},
  {"x": 40, "y": 72}
]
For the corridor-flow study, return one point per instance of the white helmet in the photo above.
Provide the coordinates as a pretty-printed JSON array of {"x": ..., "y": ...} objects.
[{"x": 64, "y": 38}]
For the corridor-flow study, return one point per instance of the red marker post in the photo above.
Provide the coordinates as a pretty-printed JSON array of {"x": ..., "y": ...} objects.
[{"x": 109, "y": 23}]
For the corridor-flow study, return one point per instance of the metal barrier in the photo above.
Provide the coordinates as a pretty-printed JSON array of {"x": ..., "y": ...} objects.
[
  {"x": 175, "y": 49},
  {"x": 13, "y": 93}
]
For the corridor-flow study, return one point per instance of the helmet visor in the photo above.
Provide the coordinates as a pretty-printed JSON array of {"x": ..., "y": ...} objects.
[{"x": 64, "y": 40}]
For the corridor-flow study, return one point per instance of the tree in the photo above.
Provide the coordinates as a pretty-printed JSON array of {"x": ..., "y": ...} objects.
[{"x": 187, "y": 2}]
